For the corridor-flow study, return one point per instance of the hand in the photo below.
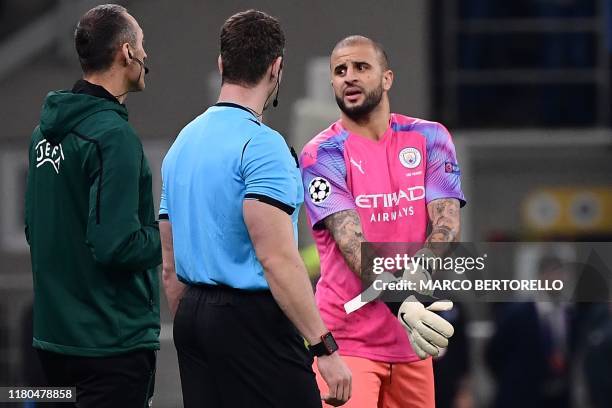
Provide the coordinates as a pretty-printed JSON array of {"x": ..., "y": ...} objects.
[
  {"x": 427, "y": 331},
  {"x": 426, "y": 257},
  {"x": 173, "y": 306},
  {"x": 174, "y": 290},
  {"x": 337, "y": 376},
  {"x": 424, "y": 262}
]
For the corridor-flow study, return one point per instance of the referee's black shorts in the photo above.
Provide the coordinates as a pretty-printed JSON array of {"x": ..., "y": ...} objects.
[{"x": 238, "y": 349}]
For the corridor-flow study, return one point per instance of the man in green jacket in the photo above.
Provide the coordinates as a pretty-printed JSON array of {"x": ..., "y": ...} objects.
[{"x": 91, "y": 227}]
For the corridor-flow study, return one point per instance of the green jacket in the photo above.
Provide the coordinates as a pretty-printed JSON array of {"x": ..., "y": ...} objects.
[{"x": 91, "y": 227}]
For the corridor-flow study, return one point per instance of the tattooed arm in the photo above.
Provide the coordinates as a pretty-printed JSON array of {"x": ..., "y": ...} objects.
[
  {"x": 346, "y": 230},
  {"x": 345, "y": 227},
  {"x": 445, "y": 221}
]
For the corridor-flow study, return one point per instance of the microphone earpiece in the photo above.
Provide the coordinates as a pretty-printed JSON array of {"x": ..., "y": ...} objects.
[
  {"x": 275, "y": 101},
  {"x": 141, "y": 63}
]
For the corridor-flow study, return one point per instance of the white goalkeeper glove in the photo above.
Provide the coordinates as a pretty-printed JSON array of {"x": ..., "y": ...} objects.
[{"x": 428, "y": 332}]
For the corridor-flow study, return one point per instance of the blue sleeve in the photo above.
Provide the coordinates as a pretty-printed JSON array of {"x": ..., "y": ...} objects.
[
  {"x": 267, "y": 169},
  {"x": 163, "y": 204}
]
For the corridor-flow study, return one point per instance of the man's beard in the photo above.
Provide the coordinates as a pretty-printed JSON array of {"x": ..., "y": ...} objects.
[{"x": 361, "y": 112}]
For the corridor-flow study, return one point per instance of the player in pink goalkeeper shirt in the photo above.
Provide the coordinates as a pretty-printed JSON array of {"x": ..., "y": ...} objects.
[{"x": 375, "y": 176}]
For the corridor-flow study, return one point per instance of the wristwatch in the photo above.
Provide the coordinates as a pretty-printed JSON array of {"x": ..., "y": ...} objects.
[{"x": 326, "y": 347}]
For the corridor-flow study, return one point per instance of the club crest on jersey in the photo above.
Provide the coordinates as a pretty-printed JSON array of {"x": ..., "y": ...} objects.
[
  {"x": 410, "y": 157},
  {"x": 319, "y": 189},
  {"x": 48, "y": 153}
]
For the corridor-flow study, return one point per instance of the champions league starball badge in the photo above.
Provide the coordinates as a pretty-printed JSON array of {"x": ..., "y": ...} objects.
[{"x": 319, "y": 189}]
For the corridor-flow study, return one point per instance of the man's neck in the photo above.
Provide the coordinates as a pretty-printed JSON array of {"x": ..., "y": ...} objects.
[
  {"x": 251, "y": 98},
  {"x": 373, "y": 126},
  {"x": 112, "y": 83}
]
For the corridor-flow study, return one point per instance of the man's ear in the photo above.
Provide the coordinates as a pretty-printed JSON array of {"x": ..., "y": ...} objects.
[
  {"x": 125, "y": 54},
  {"x": 387, "y": 81},
  {"x": 277, "y": 66},
  {"x": 220, "y": 64}
]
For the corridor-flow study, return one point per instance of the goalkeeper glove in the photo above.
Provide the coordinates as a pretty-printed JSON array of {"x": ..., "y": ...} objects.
[
  {"x": 427, "y": 331},
  {"x": 421, "y": 271}
]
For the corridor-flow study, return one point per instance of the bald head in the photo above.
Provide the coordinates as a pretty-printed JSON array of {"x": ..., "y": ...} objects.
[{"x": 357, "y": 40}]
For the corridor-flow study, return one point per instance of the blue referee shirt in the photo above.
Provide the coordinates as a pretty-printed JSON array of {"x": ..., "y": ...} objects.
[{"x": 221, "y": 158}]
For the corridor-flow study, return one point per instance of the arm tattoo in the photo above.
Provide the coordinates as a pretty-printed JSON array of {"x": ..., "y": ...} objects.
[
  {"x": 345, "y": 227},
  {"x": 445, "y": 221}
]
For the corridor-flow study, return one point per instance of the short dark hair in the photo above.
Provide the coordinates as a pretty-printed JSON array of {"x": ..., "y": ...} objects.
[
  {"x": 98, "y": 34},
  {"x": 360, "y": 39},
  {"x": 250, "y": 41}
]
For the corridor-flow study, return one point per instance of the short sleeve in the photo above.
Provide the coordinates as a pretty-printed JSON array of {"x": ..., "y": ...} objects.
[
  {"x": 324, "y": 179},
  {"x": 268, "y": 171},
  {"x": 443, "y": 174},
  {"x": 163, "y": 204}
]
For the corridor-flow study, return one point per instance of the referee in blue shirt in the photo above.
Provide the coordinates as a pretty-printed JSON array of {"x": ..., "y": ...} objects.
[{"x": 232, "y": 273}]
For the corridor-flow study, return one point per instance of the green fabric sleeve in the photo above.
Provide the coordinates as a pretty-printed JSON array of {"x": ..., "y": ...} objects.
[{"x": 115, "y": 233}]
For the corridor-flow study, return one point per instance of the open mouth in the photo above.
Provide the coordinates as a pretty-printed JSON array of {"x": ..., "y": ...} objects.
[{"x": 352, "y": 93}]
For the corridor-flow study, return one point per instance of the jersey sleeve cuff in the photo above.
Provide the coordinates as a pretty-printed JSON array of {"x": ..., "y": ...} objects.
[
  {"x": 462, "y": 201},
  {"x": 317, "y": 222},
  {"x": 271, "y": 201}
]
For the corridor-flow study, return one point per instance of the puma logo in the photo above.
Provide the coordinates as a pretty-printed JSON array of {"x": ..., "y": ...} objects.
[{"x": 358, "y": 165}]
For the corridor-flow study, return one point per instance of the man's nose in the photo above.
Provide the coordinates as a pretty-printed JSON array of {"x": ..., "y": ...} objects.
[
  {"x": 350, "y": 76},
  {"x": 350, "y": 73}
]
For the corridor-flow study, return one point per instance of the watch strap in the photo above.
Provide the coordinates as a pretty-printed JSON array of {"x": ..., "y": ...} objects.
[{"x": 325, "y": 347}]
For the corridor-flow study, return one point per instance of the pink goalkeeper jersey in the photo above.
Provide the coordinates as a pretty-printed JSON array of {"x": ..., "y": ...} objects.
[{"x": 389, "y": 183}]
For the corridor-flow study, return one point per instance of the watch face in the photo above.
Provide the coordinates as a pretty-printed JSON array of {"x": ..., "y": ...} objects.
[{"x": 330, "y": 343}]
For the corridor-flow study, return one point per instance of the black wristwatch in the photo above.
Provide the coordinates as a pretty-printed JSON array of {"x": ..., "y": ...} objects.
[{"x": 326, "y": 347}]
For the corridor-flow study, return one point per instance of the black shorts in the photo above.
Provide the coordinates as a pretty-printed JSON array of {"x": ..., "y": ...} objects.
[
  {"x": 238, "y": 349},
  {"x": 125, "y": 380}
]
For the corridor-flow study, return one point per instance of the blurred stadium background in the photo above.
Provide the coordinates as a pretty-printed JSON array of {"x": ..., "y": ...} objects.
[{"x": 523, "y": 86}]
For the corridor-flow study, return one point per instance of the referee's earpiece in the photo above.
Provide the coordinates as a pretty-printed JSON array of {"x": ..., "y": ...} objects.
[
  {"x": 139, "y": 62},
  {"x": 275, "y": 101}
]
